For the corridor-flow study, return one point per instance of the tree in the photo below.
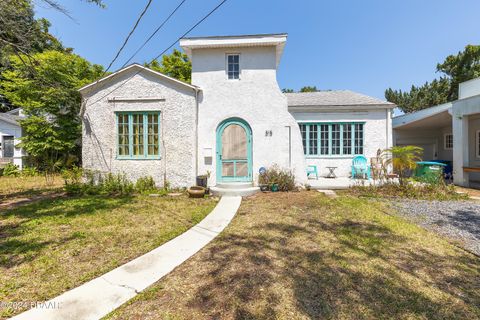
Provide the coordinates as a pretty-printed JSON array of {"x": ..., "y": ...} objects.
[
  {"x": 403, "y": 159},
  {"x": 47, "y": 91},
  {"x": 176, "y": 65},
  {"x": 455, "y": 69},
  {"x": 309, "y": 89},
  {"x": 286, "y": 90}
]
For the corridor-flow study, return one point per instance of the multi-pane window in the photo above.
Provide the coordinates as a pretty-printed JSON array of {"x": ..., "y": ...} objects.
[
  {"x": 233, "y": 66},
  {"x": 138, "y": 135},
  {"x": 332, "y": 139},
  {"x": 448, "y": 141}
]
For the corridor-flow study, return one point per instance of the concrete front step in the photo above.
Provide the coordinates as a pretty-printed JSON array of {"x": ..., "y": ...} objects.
[
  {"x": 242, "y": 192},
  {"x": 234, "y": 185}
]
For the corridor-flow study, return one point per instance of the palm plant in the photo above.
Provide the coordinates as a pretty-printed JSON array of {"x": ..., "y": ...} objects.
[{"x": 404, "y": 159}]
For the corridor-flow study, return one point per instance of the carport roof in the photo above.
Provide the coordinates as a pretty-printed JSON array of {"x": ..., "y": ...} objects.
[{"x": 434, "y": 117}]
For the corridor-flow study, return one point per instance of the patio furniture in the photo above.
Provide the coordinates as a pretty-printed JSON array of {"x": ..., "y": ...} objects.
[
  {"x": 311, "y": 169},
  {"x": 360, "y": 167},
  {"x": 331, "y": 174}
]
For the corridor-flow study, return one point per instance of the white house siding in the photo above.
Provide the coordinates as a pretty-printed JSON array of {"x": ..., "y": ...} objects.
[
  {"x": 177, "y": 127},
  {"x": 9, "y": 129},
  {"x": 377, "y": 135},
  {"x": 255, "y": 98}
]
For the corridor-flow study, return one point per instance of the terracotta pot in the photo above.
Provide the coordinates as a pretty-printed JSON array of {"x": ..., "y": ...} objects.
[{"x": 196, "y": 192}]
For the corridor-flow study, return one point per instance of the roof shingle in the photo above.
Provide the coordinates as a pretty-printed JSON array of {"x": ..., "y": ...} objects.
[{"x": 333, "y": 98}]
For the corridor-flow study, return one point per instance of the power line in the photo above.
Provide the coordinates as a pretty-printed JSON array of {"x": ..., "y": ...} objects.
[
  {"x": 178, "y": 39},
  {"x": 129, "y": 35},
  {"x": 153, "y": 34}
]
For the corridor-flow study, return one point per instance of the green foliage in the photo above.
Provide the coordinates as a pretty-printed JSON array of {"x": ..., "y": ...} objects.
[
  {"x": 96, "y": 183},
  {"x": 116, "y": 184},
  {"x": 49, "y": 95},
  {"x": 176, "y": 65},
  {"x": 309, "y": 89},
  {"x": 287, "y": 90},
  {"x": 10, "y": 170},
  {"x": 145, "y": 185},
  {"x": 455, "y": 69},
  {"x": 284, "y": 178},
  {"x": 404, "y": 159},
  {"x": 28, "y": 171}
]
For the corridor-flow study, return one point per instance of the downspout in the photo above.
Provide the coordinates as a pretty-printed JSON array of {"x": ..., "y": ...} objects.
[{"x": 196, "y": 131}]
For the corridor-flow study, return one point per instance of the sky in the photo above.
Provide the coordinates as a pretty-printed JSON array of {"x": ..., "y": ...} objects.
[{"x": 365, "y": 46}]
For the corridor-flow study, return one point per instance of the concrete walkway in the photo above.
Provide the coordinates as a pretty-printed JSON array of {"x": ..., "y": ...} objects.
[{"x": 100, "y": 296}]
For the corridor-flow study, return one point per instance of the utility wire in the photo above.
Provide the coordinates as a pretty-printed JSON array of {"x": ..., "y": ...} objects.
[
  {"x": 153, "y": 34},
  {"x": 133, "y": 75},
  {"x": 128, "y": 37}
]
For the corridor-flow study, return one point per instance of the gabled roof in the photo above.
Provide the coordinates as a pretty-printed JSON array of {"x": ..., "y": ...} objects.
[
  {"x": 10, "y": 118},
  {"x": 337, "y": 98},
  {"x": 139, "y": 68}
]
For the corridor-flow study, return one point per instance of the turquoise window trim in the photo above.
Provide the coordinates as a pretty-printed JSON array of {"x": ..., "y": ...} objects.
[
  {"x": 319, "y": 154},
  {"x": 145, "y": 155}
]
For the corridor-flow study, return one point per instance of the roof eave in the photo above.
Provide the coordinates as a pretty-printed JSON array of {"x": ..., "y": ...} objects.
[{"x": 142, "y": 68}]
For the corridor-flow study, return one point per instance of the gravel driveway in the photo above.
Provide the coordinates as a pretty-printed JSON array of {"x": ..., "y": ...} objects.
[{"x": 458, "y": 220}]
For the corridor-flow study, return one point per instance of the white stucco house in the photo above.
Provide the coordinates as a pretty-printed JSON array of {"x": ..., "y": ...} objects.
[
  {"x": 449, "y": 132},
  {"x": 10, "y": 133},
  {"x": 232, "y": 119}
]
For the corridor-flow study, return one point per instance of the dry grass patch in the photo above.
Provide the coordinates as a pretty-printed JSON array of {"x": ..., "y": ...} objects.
[
  {"x": 24, "y": 186},
  {"x": 304, "y": 256},
  {"x": 50, "y": 246}
]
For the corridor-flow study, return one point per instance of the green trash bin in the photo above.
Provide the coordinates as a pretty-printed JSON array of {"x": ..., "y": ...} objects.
[{"x": 428, "y": 169}]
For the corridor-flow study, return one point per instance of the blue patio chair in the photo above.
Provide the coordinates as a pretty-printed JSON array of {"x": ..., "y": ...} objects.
[
  {"x": 360, "y": 167},
  {"x": 311, "y": 169}
]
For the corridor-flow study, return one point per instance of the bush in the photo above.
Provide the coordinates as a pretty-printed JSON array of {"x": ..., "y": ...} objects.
[
  {"x": 284, "y": 178},
  {"x": 11, "y": 170},
  {"x": 116, "y": 184},
  {"x": 96, "y": 183},
  {"x": 145, "y": 185},
  {"x": 29, "y": 172}
]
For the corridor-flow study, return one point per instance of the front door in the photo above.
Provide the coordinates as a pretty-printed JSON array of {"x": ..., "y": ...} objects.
[{"x": 234, "y": 151}]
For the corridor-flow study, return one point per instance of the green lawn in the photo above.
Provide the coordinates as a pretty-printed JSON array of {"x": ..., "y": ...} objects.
[
  {"x": 11, "y": 187},
  {"x": 50, "y": 246},
  {"x": 305, "y": 256}
]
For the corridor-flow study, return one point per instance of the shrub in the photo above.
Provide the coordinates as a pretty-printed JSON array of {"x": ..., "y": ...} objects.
[
  {"x": 29, "y": 172},
  {"x": 284, "y": 178},
  {"x": 10, "y": 170},
  {"x": 73, "y": 180},
  {"x": 145, "y": 185},
  {"x": 116, "y": 184}
]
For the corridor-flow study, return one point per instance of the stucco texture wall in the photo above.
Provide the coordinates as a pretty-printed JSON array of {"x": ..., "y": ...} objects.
[
  {"x": 255, "y": 98},
  {"x": 177, "y": 127},
  {"x": 377, "y": 135}
]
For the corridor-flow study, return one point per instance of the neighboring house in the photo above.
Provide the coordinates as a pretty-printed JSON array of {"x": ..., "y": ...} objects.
[
  {"x": 231, "y": 121},
  {"x": 449, "y": 132},
  {"x": 10, "y": 132}
]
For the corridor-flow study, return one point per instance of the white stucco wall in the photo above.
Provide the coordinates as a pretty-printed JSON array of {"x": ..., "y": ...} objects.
[
  {"x": 432, "y": 140},
  {"x": 377, "y": 135},
  {"x": 177, "y": 127},
  {"x": 9, "y": 129},
  {"x": 469, "y": 88},
  {"x": 255, "y": 98}
]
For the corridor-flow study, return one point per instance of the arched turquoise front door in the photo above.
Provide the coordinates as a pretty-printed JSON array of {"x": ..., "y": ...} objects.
[{"x": 234, "y": 151}]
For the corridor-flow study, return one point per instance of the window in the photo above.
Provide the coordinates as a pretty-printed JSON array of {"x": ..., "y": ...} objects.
[
  {"x": 332, "y": 139},
  {"x": 448, "y": 141},
  {"x": 233, "y": 66},
  {"x": 138, "y": 135}
]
